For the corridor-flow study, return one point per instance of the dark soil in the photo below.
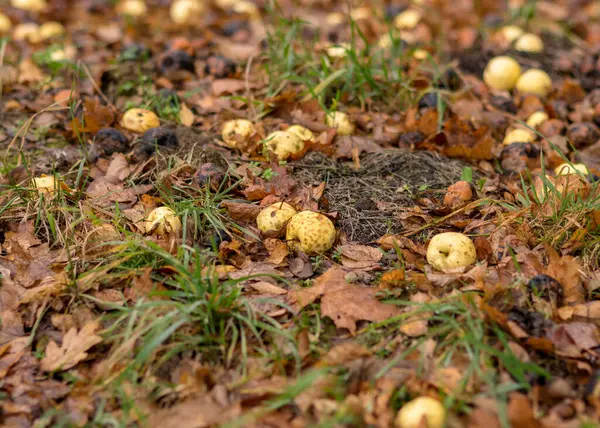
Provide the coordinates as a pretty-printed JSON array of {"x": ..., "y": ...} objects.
[{"x": 368, "y": 199}]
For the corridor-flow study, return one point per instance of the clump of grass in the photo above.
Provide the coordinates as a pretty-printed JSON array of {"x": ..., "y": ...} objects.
[
  {"x": 193, "y": 312},
  {"x": 459, "y": 328},
  {"x": 567, "y": 216},
  {"x": 365, "y": 74}
]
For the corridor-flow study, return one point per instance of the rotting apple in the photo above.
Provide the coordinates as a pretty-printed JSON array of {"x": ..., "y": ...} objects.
[
  {"x": 341, "y": 122},
  {"x": 237, "y": 132},
  {"x": 421, "y": 412},
  {"x": 301, "y": 132},
  {"x": 284, "y": 144},
  {"x": 272, "y": 219},
  {"x": 518, "y": 135},
  {"x": 537, "y": 118},
  {"x": 139, "y": 120},
  {"x": 451, "y": 250},
  {"x": 458, "y": 195},
  {"x": 163, "y": 221},
  {"x": 310, "y": 232}
]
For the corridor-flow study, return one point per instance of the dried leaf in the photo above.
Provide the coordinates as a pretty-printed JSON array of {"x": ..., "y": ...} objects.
[
  {"x": 278, "y": 250},
  {"x": 265, "y": 287},
  {"x": 242, "y": 212},
  {"x": 344, "y": 303},
  {"x": 95, "y": 117},
  {"x": 566, "y": 271},
  {"x": 73, "y": 349},
  {"x": 360, "y": 256},
  {"x": 186, "y": 116}
]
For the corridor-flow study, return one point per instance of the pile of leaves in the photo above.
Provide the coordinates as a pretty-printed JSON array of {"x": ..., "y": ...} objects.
[{"x": 106, "y": 321}]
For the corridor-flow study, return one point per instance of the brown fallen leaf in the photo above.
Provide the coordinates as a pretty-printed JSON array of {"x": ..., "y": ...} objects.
[
  {"x": 343, "y": 353},
  {"x": 95, "y": 117},
  {"x": 566, "y": 271},
  {"x": 351, "y": 147},
  {"x": 239, "y": 211},
  {"x": 360, "y": 256},
  {"x": 11, "y": 326},
  {"x": 520, "y": 412},
  {"x": 265, "y": 287},
  {"x": 73, "y": 349},
  {"x": 344, "y": 303},
  {"x": 230, "y": 86},
  {"x": 201, "y": 411},
  {"x": 186, "y": 116},
  {"x": 278, "y": 250}
]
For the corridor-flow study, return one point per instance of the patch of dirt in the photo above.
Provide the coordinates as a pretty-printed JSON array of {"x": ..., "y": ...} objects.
[{"x": 368, "y": 199}]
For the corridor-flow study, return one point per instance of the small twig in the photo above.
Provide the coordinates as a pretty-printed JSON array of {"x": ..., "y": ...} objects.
[
  {"x": 452, "y": 214},
  {"x": 97, "y": 88},
  {"x": 248, "y": 91}
]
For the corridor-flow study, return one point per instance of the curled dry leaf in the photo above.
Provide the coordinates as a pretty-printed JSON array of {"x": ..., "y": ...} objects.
[
  {"x": 242, "y": 212},
  {"x": 278, "y": 250},
  {"x": 73, "y": 349}
]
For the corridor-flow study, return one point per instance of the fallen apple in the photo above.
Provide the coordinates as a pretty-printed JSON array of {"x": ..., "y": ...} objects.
[
  {"x": 537, "y": 118},
  {"x": 341, "y": 122},
  {"x": 272, "y": 219},
  {"x": 49, "y": 185},
  {"x": 408, "y": 19},
  {"x": 29, "y": 5},
  {"x": 284, "y": 144},
  {"x": 25, "y": 31},
  {"x": 47, "y": 31},
  {"x": 163, "y": 221},
  {"x": 133, "y": 8},
  {"x": 529, "y": 43},
  {"x": 451, "y": 250},
  {"x": 185, "y": 11},
  {"x": 310, "y": 232},
  {"x": 139, "y": 120},
  {"x": 571, "y": 168},
  {"x": 421, "y": 412},
  {"x": 510, "y": 33},
  {"x": 5, "y": 24},
  {"x": 301, "y": 132},
  {"x": 518, "y": 135},
  {"x": 502, "y": 73},
  {"x": 237, "y": 133},
  {"x": 534, "y": 81}
]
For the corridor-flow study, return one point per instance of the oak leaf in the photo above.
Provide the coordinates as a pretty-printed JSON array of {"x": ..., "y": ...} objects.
[{"x": 73, "y": 349}]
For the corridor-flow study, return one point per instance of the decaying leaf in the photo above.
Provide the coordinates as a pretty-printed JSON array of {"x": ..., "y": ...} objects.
[
  {"x": 359, "y": 256},
  {"x": 75, "y": 345},
  {"x": 344, "y": 303}
]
